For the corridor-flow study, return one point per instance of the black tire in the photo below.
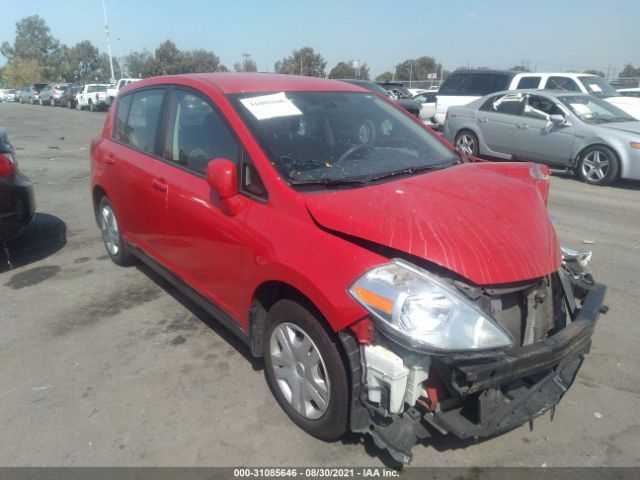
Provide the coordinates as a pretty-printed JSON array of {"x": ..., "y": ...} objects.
[
  {"x": 121, "y": 256},
  {"x": 332, "y": 423},
  {"x": 92, "y": 107},
  {"x": 78, "y": 106},
  {"x": 467, "y": 141},
  {"x": 598, "y": 165}
]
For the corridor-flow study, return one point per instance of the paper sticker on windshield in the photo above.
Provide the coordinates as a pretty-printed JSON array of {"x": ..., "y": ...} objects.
[
  {"x": 581, "y": 109},
  {"x": 270, "y": 106},
  {"x": 594, "y": 87}
]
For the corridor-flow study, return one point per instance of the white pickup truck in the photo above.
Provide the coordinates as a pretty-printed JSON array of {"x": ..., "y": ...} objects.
[
  {"x": 112, "y": 92},
  {"x": 92, "y": 96}
]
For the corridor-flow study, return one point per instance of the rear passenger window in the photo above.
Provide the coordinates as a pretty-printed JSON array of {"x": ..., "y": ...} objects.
[
  {"x": 120, "y": 130},
  {"x": 528, "y": 82},
  {"x": 562, "y": 83},
  {"x": 197, "y": 134},
  {"x": 142, "y": 123}
]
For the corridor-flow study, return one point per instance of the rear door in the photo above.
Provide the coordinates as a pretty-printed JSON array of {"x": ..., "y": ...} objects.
[
  {"x": 193, "y": 236},
  {"x": 131, "y": 160},
  {"x": 498, "y": 118},
  {"x": 537, "y": 139}
]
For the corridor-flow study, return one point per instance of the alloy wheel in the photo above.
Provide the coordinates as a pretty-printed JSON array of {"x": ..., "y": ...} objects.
[
  {"x": 300, "y": 371},
  {"x": 466, "y": 143},
  {"x": 595, "y": 166},
  {"x": 110, "y": 230}
]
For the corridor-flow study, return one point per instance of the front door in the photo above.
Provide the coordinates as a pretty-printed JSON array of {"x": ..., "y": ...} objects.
[
  {"x": 194, "y": 238},
  {"x": 539, "y": 140}
]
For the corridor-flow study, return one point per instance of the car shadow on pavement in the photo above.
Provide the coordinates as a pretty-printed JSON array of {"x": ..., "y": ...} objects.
[
  {"x": 201, "y": 314},
  {"x": 44, "y": 236}
]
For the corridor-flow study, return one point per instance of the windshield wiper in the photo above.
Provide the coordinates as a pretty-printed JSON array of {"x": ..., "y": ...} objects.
[
  {"x": 412, "y": 170},
  {"x": 329, "y": 181}
]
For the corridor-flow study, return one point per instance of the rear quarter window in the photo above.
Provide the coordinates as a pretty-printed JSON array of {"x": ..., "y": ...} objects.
[{"x": 138, "y": 118}]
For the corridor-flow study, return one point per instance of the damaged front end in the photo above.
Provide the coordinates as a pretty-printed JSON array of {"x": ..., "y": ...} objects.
[{"x": 486, "y": 361}]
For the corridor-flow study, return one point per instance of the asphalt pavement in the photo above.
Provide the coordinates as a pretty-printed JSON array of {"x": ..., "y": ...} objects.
[{"x": 109, "y": 366}]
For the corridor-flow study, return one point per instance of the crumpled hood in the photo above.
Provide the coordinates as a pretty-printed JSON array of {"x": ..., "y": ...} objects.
[{"x": 486, "y": 222}]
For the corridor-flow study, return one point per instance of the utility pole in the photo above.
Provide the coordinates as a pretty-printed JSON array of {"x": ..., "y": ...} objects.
[
  {"x": 410, "y": 72},
  {"x": 106, "y": 30},
  {"x": 245, "y": 58}
]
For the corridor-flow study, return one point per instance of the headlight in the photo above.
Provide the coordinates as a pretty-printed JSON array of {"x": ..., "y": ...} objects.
[{"x": 423, "y": 312}]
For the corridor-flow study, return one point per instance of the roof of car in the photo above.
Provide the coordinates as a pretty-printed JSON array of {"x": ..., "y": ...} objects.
[
  {"x": 510, "y": 73},
  {"x": 538, "y": 91},
  {"x": 269, "y": 82}
]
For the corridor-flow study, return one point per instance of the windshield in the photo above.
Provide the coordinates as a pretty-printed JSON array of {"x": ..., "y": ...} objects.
[
  {"x": 338, "y": 137},
  {"x": 598, "y": 86},
  {"x": 594, "y": 110}
]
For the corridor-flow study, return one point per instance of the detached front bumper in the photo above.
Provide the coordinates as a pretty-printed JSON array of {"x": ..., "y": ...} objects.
[
  {"x": 515, "y": 386},
  {"x": 482, "y": 394}
]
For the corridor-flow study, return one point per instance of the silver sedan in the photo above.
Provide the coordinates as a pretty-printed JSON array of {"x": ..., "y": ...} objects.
[{"x": 573, "y": 131}]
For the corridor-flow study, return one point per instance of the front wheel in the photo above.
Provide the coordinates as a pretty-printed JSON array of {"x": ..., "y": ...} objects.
[
  {"x": 598, "y": 165},
  {"x": 111, "y": 235},
  {"x": 305, "y": 370},
  {"x": 467, "y": 142},
  {"x": 78, "y": 106}
]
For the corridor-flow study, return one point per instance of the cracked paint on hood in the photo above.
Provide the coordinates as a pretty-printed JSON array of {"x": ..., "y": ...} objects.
[{"x": 486, "y": 222}]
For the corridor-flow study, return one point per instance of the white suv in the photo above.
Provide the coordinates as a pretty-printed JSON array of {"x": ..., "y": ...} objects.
[{"x": 464, "y": 86}]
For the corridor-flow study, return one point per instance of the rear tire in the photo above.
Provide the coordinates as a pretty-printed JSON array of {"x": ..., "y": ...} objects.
[
  {"x": 467, "y": 141},
  {"x": 113, "y": 242},
  {"x": 305, "y": 370},
  {"x": 598, "y": 165},
  {"x": 92, "y": 107}
]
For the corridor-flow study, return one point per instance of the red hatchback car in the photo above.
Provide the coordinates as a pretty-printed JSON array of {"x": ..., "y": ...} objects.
[{"x": 391, "y": 286}]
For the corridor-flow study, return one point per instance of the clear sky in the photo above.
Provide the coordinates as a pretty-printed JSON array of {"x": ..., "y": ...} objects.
[{"x": 550, "y": 35}]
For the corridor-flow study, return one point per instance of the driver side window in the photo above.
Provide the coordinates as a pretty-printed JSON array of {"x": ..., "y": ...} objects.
[
  {"x": 197, "y": 134},
  {"x": 540, "y": 107}
]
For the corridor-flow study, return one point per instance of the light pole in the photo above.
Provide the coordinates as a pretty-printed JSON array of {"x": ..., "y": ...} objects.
[{"x": 106, "y": 30}]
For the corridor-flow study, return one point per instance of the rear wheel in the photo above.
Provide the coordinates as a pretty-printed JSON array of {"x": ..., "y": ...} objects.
[
  {"x": 305, "y": 370},
  {"x": 598, "y": 165},
  {"x": 467, "y": 142},
  {"x": 92, "y": 107},
  {"x": 111, "y": 235}
]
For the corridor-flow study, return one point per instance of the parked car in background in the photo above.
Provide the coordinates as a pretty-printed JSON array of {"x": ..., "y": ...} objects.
[
  {"x": 569, "y": 130},
  {"x": 51, "y": 94},
  {"x": 25, "y": 95},
  {"x": 410, "y": 105},
  {"x": 630, "y": 92},
  {"x": 392, "y": 287},
  {"x": 35, "y": 96},
  {"x": 92, "y": 96},
  {"x": 17, "y": 201},
  {"x": 68, "y": 98},
  {"x": 112, "y": 92},
  {"x": 427, "y": 101},
  {"x": 10, "y": 95},
  {"x": 464, "y": 86}
]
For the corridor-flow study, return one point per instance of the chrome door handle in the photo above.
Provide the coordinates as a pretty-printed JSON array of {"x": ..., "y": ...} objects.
[{"x": 483, "y": 120}]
